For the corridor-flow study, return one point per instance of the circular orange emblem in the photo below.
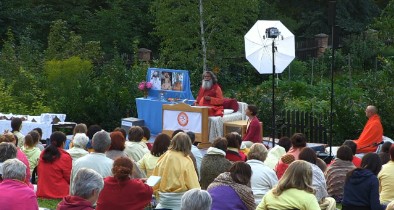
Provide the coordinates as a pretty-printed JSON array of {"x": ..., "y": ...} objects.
[{"x": 183, "y": 119}]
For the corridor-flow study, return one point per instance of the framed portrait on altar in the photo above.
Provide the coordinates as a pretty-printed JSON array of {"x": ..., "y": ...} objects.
[
  {"x": 155, "y": 79},
  {"x": 175, "y": 83}
]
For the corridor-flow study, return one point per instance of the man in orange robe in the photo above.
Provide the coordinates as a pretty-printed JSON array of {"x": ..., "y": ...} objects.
[
  {"x": 372, "y": 133},
  {"x": 210, "y": 94}
]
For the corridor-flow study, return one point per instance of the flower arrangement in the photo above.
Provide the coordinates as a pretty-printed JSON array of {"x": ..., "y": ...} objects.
[{"x": 145, "y": 86}]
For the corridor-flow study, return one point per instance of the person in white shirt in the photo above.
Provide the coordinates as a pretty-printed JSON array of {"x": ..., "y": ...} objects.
[
  {"x": 263, "y": 178},
  {"x": 96, "y": 160},
  {"x": 196, "y": 152}
]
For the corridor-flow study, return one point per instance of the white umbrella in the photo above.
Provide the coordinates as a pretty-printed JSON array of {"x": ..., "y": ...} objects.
[{"x": 258, "y": 47}]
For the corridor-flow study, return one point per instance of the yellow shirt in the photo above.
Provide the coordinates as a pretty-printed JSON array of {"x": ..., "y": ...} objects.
[
  {"x": 289, "y": 199},
  {"x": 148, "y": 163},
  {"x": 177, "y": 173},
  {"x": 386, "y": 182}
]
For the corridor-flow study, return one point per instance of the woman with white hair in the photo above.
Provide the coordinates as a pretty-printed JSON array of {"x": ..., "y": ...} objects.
[
  {"x": 263, "y": 177},
  {"x": 196, "y": 199},
  {"x": 291, "y": 192},
  {"x": 79, "y": 143},
  {"x": 87, "y": 187},
  {"x": 14, "y": 193}
]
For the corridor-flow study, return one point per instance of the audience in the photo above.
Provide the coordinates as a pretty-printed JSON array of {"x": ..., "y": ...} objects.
[
  {"x": 294, "y": 190},
  {"x": 384, "y": 153},
  {"x": 39, "y": 144},
  {"x": 16, "y": 126},
  {"x": 361, "y": 190},
  {"x": 95, "y": 160},
  {"x": 263, "y": 178},
  {"x": 318, "y": 181},
  {"x": 233, "y": 152},
  {"x": 123, "y": 131},
  {"x": 14, "y": 193},
  {"x": 298, "y": 142},
  {"x": 195, "y": 151},
  {"x": 87, "y": 187},
  {"x": 196, "y": 199},
  {"x": 386, "y": 180},
  {"x": 116, "y": 150},
  {"x": 230, "y": 190},
  {"x": 135, "y": 148},
  {"x": 31, "y": 151},
  {"x": 9, "y": 137},
  {"x": 122, "y": 192},
  {"x": 79, "y": 128},
  {"x": 7, "y": 151},
  {"x": 146, "y": 137},
  {"x": 117, "y": 147},
  {"x": 78, "y": 149},
  {"x": 353, "y": 146},
  {"x": 177, "y": 173},
  {"x": 275, "y": 153},
  {"x": 36, "y": 133},
  {"x": 149, "y": 160},
  {"x": 93, "y": 129},
  {"x": 54, "y": 168},
  {"x": 336, "y": 172},
  {"x": 214, "y": 162}
]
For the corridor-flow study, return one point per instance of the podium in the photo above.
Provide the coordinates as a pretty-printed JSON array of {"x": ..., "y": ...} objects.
[{"x": 188, "y": 118}]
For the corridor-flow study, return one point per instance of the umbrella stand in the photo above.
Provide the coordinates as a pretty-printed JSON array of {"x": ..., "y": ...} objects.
[{"x": 273, "y": 92}]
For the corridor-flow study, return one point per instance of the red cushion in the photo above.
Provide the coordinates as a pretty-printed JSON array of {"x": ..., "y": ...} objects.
[{"x": 230, "y": 103}]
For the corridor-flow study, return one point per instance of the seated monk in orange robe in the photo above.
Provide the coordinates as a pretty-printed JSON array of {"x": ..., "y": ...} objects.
[
  {"x": 210, "y": 94},
  {"x": 372, "y": 133}
]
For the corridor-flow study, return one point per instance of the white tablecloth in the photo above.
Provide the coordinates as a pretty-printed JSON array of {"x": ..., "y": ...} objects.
[{"x": 27, "y": 127}]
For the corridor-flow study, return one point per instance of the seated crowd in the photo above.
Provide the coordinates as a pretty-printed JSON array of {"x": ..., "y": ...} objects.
[{"x": 96, "y": 169}]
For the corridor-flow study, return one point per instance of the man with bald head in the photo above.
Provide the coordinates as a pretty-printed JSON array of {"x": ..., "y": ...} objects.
[{"x": 372, "y": 133}]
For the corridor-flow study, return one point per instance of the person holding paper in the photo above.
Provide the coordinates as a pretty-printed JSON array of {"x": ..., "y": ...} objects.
[
  {"x": 122, "y": 192},
  {"x": 176, "y": 169},
  {"x": 210, "y": 94}
]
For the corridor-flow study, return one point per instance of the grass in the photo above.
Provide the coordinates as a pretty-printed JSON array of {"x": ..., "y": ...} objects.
[{"x": 48, "y": 203}]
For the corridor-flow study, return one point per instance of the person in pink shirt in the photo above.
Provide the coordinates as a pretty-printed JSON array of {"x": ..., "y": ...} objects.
[{"x": 14, "y": 192}]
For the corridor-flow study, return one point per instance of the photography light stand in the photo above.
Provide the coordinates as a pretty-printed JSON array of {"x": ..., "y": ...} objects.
[{"x": 273, "y": 33}]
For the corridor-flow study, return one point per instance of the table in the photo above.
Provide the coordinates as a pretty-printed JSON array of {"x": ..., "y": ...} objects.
[
  {"x": 150, "y": 110},
  {"x": 46, "y": 128},
  {"x": 28, "y": 126},
  {"x": 240, "y": 125}
]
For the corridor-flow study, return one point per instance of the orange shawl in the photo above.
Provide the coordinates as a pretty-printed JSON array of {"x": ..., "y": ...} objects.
[{"x": 372, "y": 133}]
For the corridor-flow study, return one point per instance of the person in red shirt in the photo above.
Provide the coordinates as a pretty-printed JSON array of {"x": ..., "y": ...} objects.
[
  {"x": 210, "y": 94},
  {"x": 54, "y": 169},
  {"x": 233, "y": 148},
  {"x": 253, "y": 129},
  {"x": 122, "y": 192}
]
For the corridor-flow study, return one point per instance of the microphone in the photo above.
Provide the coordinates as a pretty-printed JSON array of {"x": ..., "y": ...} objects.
[{"x": 378, "y": 143}]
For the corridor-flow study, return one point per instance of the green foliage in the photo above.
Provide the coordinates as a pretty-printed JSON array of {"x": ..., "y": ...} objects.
[
  {"x": 48, "y": 203},
  {"x": 385, "y": 24},
  {"x": 66, "y": 82}
]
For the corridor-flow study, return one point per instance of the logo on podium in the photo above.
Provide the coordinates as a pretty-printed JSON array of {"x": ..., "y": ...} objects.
[{"x": 183, "y": 119}]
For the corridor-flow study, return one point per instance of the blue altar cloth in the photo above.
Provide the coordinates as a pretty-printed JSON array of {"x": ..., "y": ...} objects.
[{"x": 150, "y": 110}]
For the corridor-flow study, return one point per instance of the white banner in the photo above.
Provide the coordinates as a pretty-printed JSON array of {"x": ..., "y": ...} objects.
[{"x": 187, "y": 121}]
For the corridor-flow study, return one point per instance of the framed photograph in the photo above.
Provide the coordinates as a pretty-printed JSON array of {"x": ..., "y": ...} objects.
[
  {"x": 177, "y": 81},
  {"x": 155, "y": 79},
  {"x": 166, "y": 80}
]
